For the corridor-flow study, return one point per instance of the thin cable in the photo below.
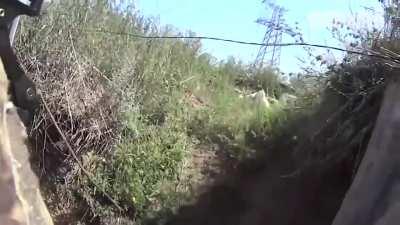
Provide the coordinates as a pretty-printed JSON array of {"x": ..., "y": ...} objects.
[{"x": 375, "y": 55}]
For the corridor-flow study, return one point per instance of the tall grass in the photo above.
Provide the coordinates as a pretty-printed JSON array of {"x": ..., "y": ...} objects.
[{"x": 146, "y": 82}]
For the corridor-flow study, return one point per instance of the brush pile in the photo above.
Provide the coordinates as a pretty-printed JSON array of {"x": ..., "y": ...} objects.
[{"x": 77, "y": 97}]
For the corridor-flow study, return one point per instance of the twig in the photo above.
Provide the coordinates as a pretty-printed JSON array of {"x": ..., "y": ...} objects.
[
  {"x": 292, "y": 174},
  {"x": 332, "y": 118},
  {"x": 75, "y": 156}
]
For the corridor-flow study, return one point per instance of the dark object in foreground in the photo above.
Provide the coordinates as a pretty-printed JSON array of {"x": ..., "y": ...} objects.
[
  {"x": 20, "y": 198},
  {"x": 22, "y": 89},
  {"x": 374, "y": 196}
]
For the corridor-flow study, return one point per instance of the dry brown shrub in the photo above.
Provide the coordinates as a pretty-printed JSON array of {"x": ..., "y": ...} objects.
[{"x": 80, "y": 101}]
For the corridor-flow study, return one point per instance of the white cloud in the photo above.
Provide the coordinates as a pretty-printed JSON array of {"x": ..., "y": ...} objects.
[
  {"x": 322, "y": 19},
  {"x": 318, "y": 20}
]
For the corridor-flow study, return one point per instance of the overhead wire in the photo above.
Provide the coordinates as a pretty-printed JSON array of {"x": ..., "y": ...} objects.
[{"x": 367, "y": 53}]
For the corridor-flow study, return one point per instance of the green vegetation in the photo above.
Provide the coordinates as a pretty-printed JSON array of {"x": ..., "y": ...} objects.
[
  {"x": 135, "y": 109},
  {"x": 148, "y": 118}
]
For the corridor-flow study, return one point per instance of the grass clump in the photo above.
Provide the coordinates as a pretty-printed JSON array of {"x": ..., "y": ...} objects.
[
  {"x": 232, "y": 119},
  {"x": 144, "y": 173}
]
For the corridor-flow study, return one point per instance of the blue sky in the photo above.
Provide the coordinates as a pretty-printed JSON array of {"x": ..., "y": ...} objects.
[{"x": 235, "y": 19}]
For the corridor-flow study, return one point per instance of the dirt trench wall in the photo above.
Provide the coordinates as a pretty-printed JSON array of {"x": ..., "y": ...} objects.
[{"x": 302, "y": 181}]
